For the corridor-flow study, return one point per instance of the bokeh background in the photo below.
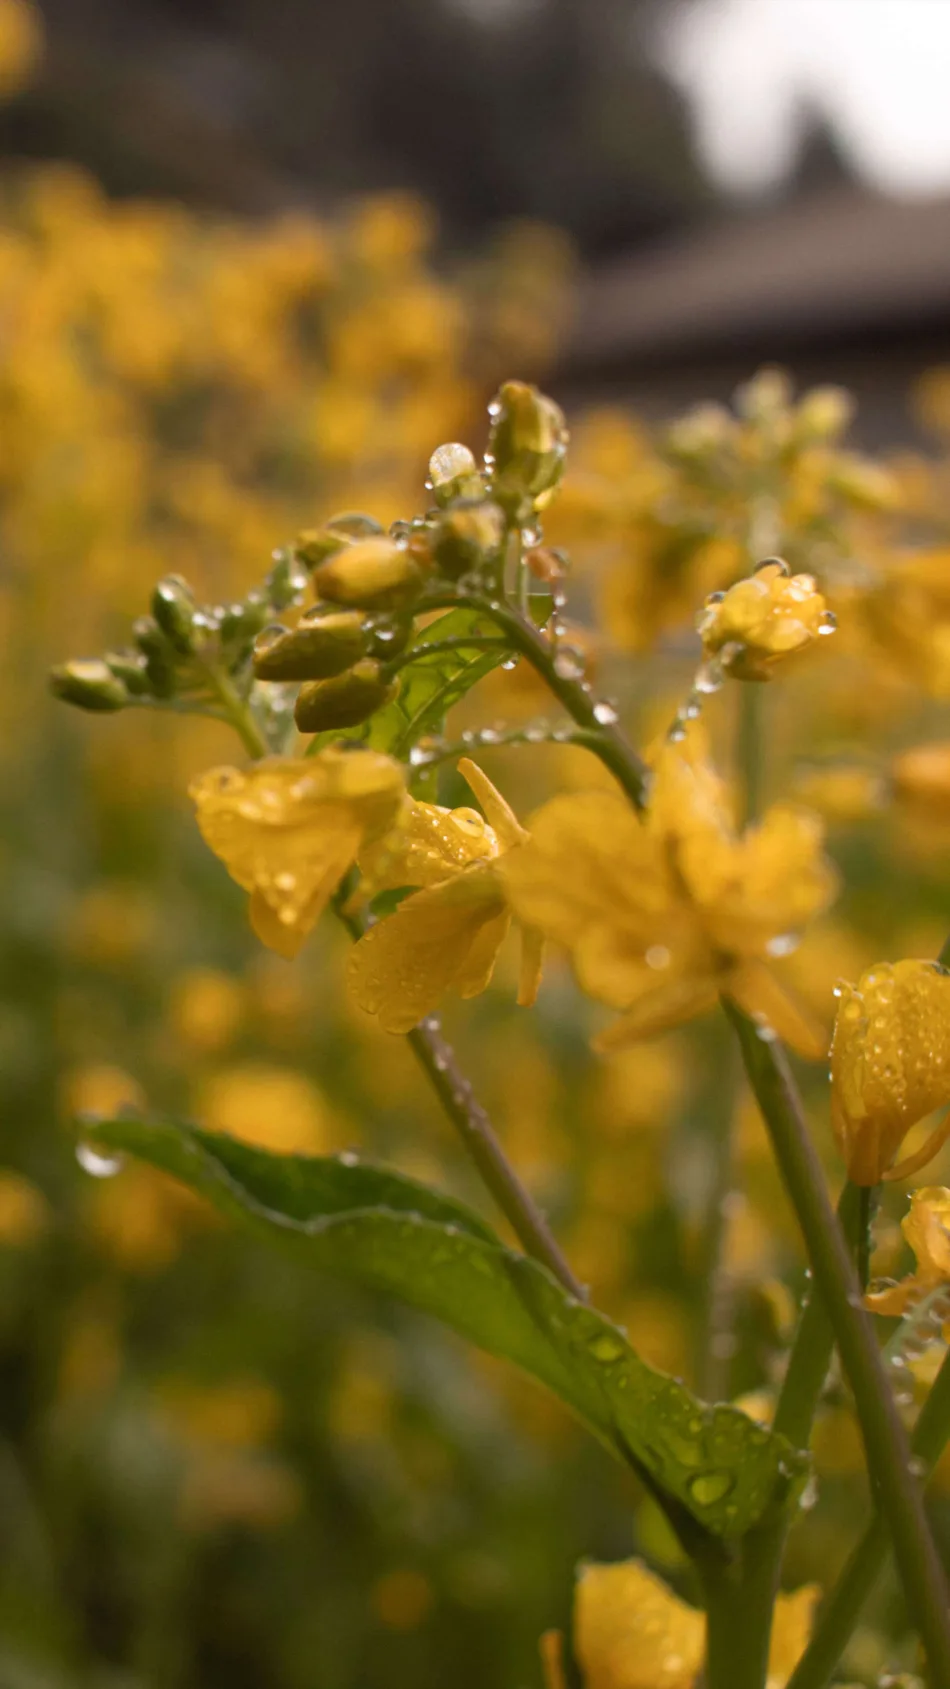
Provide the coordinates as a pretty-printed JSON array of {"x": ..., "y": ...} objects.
[{"x": 256, "y": 261}]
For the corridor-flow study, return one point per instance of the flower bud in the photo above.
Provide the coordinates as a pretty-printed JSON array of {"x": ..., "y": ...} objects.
[
  {"x": 89, "y": 683},
  {"x": 467, "y": 535},
  {"x": 241, "y": 622},
  {"x": 129, "y": 668},
  {"x": 763, "y": 619},
  {"x": 344, "y": 701},
  {"x": 527, "y": 446},
  {"x": 824, "y": 414},
  {"x": 890, "y": 1066},
  {"x": 159, "y": 662},
  {"x": 314, "y": 545},
  {"x": 173, "y": 607},
  {"x": 453, "y": 474},
  {"x": 374, "y": 574},
  {"x": 314, "y": 650}
]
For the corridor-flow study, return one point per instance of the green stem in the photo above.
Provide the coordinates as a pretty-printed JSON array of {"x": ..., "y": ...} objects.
[
  {"x": 437, "y": 1060},
  {"x": 475, "y": 641},
  {"x": 238, "y": 712},
  {"x": 842, "y": 1609},
  {"x": 886, "y": 1448},
  {"x": 605, "y": 739},
  {"x": 739, "y": 1600},
  {"x": 813, "y": 1346}
]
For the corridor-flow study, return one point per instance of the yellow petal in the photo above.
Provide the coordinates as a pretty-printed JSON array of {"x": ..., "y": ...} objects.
[
  {"x": 926, "y": 1226},
  {"x": 791, "y": 1628},
  {"x": 590, "y": 864},
  {"x": 532, "y": 963},
  {"x": 756, "y": 990},
  {"x": 890, "y": 1062},
  {"x": 429, "y": 844},
  {"x": 499, "y": 814},
  {"x": 768, "y": 884},
  {"x": 662, "y": 1006},
  {"x": 433, "y": 942},
  {"x": 631, "y": 1632},
  {"x": 551, "y": 1648},
  {"x": 287, "y": 829}
]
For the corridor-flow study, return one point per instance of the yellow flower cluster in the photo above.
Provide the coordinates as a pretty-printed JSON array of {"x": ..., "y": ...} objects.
[{"x": 662, "y": 917}]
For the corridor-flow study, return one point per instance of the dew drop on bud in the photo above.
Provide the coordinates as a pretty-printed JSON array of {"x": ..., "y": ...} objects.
[
  {"x": 827, "y": 623},
  {"x": 709, "y": 676},
  {"x": 605, "y": 713},
  {"x": 772, "y": 563}
]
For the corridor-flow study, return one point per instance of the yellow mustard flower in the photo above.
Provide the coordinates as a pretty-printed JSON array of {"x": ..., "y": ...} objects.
[
  {"x": 631, "y": 1632},
  {"x": 890, "y": 1066},
  {"x": 662, "y": 915},
  {"x": 926, "y": 1227},
  {"x": 287, "y": 829},
  {"x": 446, "y": 936},
  {"x": 762, "y": 620},
  {"x": 921, "y": 779}
]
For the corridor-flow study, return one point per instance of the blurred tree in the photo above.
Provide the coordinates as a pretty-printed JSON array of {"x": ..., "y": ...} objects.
[{"x": 492, "y": 108}]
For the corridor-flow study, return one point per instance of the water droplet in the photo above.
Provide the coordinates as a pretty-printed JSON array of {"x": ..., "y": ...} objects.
[
  {"x": 531, "y": 536},
  {"x": 710, "y": 1487},
  {"x": 677, "y": 732},
  {"x": 97, "y": 1162},
  {"x": 709, "y": 676},
  {"x": 605, "y": 713},
  {"x": 605, "y": 1347},
  {"x": 511, "y": 662},
  {"x": 827, "y": 622},
  {"x": 783, "y": 944},
  {"x": 772, "y": 563},
  {"x": 569, "y": 663}
]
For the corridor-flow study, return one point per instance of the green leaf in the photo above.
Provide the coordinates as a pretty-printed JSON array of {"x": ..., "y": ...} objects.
[
  {"x": 391, "y": 1234},
  {"x": 428, "y": 687}
]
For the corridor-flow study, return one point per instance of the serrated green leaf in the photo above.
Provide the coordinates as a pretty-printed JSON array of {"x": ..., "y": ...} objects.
[{"x": 392, "y": 1234}]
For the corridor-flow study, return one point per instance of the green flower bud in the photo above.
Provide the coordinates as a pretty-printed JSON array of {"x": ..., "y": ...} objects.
[
  {"x": 242, "y": 622},
  {"x": 453, "y": 473},
  {"x": 89, "y": 683},
  {"x": 344, "y": 701},
  {"x": 316, "y": 649},
  {"x": 467, "y": 535},
  {"x": 173, "y": 607},
  {"x": 527, "y": 447},
  {"x": 159, "y": 661},
  {"x": 374, "y": 574},
  {"x": 129, "y": 668},
  {"x": 314, "y": 545}
]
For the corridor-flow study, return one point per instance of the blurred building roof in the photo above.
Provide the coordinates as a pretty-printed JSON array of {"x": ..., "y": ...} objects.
[{"x": 840, "y": 284}]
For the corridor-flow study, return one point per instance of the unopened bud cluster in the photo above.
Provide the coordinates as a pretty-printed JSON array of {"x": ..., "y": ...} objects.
[
  {"x": 179, "y": 646},
  {"x": 763, "y": 620}
]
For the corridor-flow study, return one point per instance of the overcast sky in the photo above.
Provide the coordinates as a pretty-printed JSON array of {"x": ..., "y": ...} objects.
[{"x": 879, "y": 68}]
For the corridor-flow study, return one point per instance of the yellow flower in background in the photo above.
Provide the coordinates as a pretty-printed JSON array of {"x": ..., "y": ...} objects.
[
  {"x": 24, "y": 1211},
  {"x": 632, "y": 1632},
  {"x": 890, "y": 1066},
  {"x": 921, "y": 779},
  {"x": 21, "y": 44},
  {"x": 926, "y": 1228},
  {"x": 908, "y": 613},
  {"x": 763, "y": 620},
  {"x": 268, "y": 1105},
  {"x": 288, "y": 829},
  {"x": 660, "y": 916},
  {"x": 445, "y": 937}
]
